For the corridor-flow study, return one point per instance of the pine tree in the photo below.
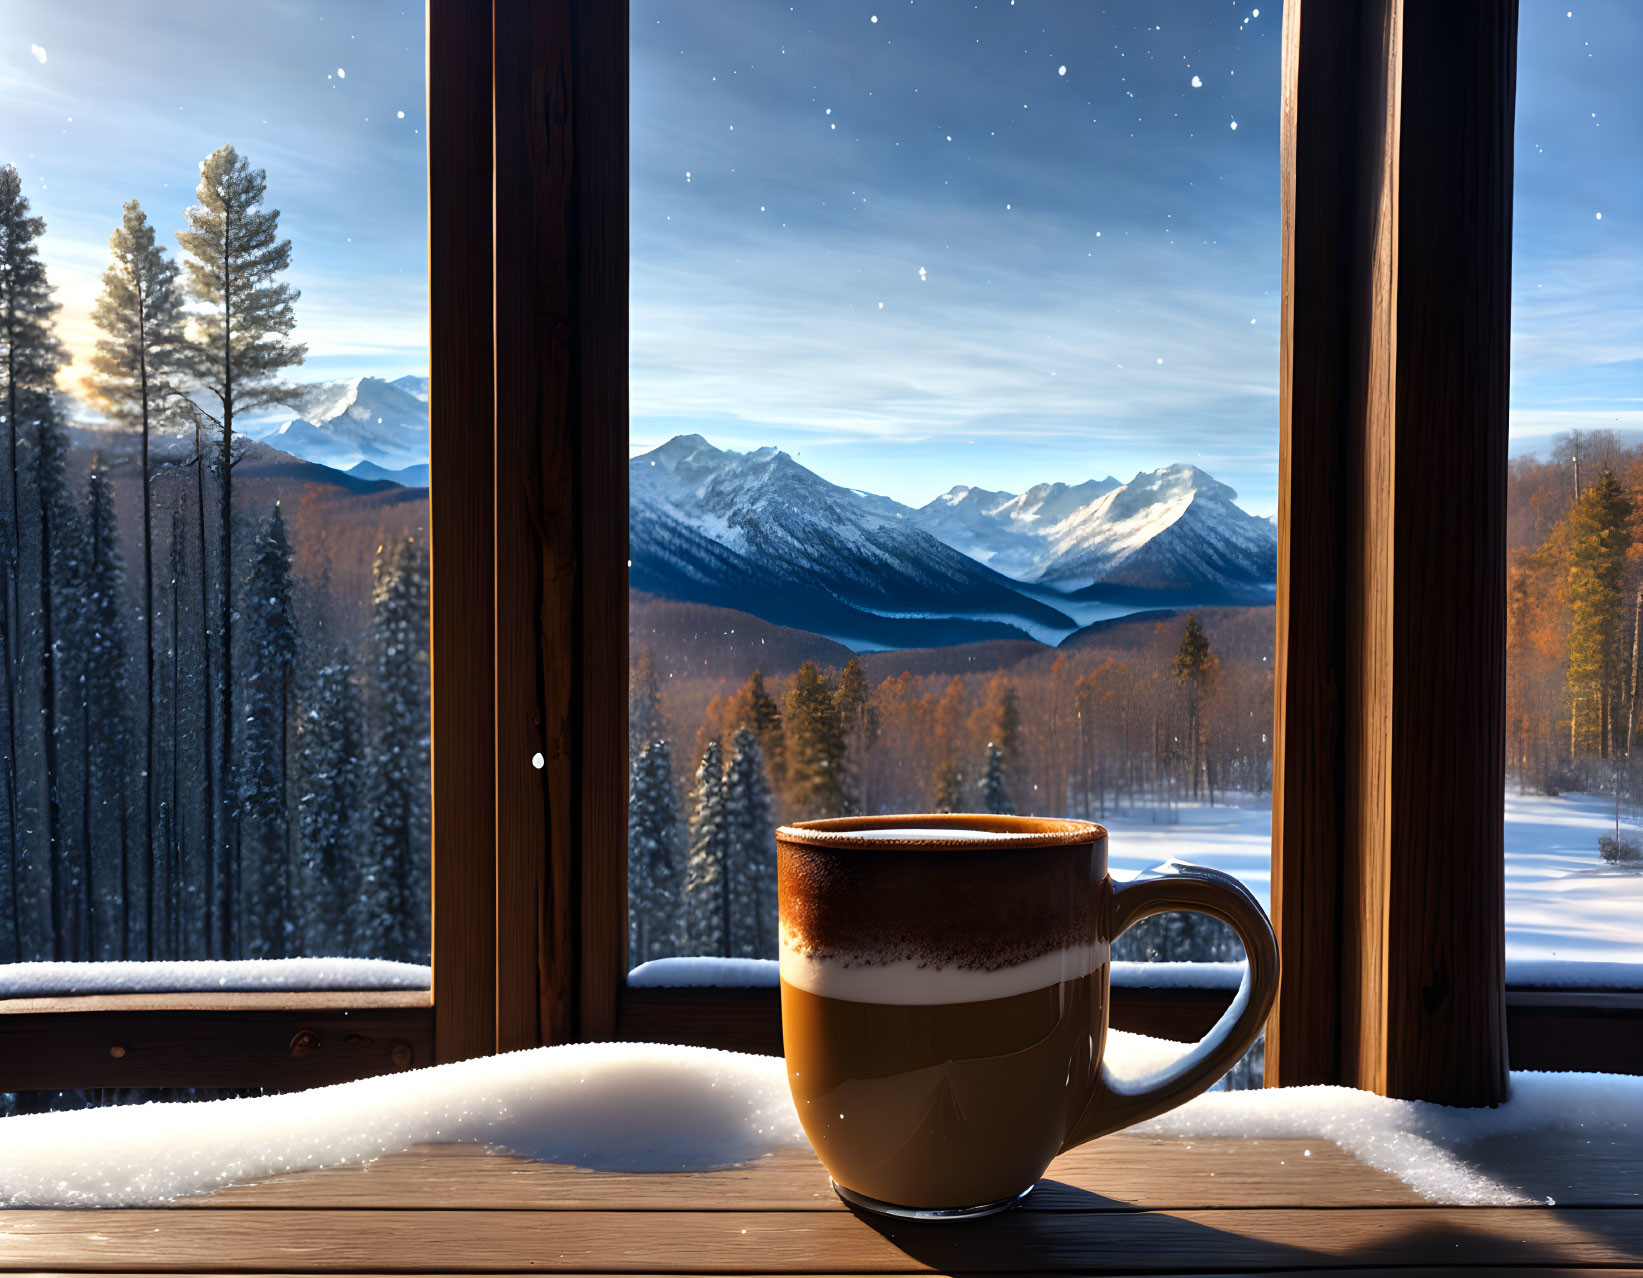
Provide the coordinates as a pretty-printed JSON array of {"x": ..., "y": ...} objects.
[
  {"x": 103, "y": 656},
  {"x": 393, "y": 893},
  {"x": 654, "y": 878},
  {"x": 330, "y": 753},
  {"x": 140, "y": 314},
  {"x": 644, "y": 706},
  {"x": 30, "y": 356},
  {"x": 815, "y": 747},
  {"x": 994, "y": 797},
  {"x": 1194, "y": 667},
  {"x": 707, "y": 882},
  {"x": 751, "y": 853},
  {"x": 269, "y": 634},
  {"x": 1599, "y": 538},
  {"x": 860, "y": 724},
  {"x": 948, "y": 793},
  {"x": 754, "y": 707},
  {"x": 59, "y": 600},
  {"x": 244, "y": 324}
]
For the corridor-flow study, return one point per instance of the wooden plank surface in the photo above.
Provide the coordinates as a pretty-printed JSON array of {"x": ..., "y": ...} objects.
[
  {"x": 735, "y": 1241},
  {"x": 288, "y": 1048},
  {"x": 1116, "y": 1173}
]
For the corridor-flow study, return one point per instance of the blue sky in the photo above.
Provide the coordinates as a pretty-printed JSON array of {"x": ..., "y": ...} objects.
[
  {"x": 1577, "y": 278},
  {"x": 103, "y": 101},
  {"x": 1077, "y": 229},
  {"x": 1095, "y": 241}
]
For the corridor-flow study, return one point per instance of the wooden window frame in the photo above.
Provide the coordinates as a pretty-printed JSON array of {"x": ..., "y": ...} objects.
[
  {"x": 291, "y": 1040},
  {"x": 1394, "y": 974}
]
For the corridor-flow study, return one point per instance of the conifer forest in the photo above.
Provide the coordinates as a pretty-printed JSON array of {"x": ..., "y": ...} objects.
[
  {"x": 214, "y": 736},
  {"x": 1150, "y": 712}
]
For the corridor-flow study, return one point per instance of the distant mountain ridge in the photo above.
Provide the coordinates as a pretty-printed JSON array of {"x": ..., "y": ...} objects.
[
  {"x": 1175, "y": 529},
  {"x": 344, "y": 423},
  {"x": 759, "y": 532}
]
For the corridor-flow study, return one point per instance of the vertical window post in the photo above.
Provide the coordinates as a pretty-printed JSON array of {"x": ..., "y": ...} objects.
[{"x": 1388, "y": 869}]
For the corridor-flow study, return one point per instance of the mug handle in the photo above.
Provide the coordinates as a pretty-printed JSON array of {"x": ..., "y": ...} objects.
[{"x": 1118, "y": 1103}]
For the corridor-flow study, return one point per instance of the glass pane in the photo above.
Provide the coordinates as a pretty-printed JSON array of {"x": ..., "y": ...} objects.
[
  {"x": 1574, "y": 793},
  {"x": 214, "y": 719},
  {"x": 953, "y": 444}
]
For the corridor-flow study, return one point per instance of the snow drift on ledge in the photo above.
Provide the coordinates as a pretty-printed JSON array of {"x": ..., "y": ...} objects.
[
  {"x": 654, "y": 1108},
  {"x": 191, "y": 976}
]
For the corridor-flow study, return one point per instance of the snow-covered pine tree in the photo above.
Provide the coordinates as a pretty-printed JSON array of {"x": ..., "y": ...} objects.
[
  {"x": 137, "y": 358},
  {"x": 392, "y": 898},
  {"x": 243, "y": 325},
  {"x": 59, "y": 576},
  {"x": 654, "y": 878},
  {"x": 30, "y": 356},
  {"x": 707, "y": 884},
  {"x": 750, "y": 852},
  {"x": 994, "y": 796},
  {"x": 269, "y": 635},
  {"x": 330, "y": 753},
  {"x": 103, "y": 657}
]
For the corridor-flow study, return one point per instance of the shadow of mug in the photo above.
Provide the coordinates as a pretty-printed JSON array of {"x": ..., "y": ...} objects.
[{"x": 944, "y": 987}]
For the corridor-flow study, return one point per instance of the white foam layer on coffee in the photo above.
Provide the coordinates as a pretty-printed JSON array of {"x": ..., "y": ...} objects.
[
  {"x": 909, "y": 983},
  {"x": 949, "y": 834}
]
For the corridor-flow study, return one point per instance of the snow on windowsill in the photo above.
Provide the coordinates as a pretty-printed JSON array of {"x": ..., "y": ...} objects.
[
  {"x": 239, "y": 976},
  {"x": 651, "y": 1108},
  {"x": 744, "y": 973}
]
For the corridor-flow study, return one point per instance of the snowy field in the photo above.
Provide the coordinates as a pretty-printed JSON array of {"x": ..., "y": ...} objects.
[{"x": 1562, "y": 902}]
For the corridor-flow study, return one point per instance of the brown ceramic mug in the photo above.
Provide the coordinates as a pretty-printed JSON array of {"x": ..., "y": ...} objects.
[{"x": 944, "y": 1000}]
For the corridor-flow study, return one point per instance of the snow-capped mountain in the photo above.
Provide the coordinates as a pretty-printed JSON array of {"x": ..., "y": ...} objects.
[
  {"x": 759, "y": 532},
  {"x": 1175, "y": 529},
  {"x": 1006, "y": 531},
  {"x": 341, "y": 424}
]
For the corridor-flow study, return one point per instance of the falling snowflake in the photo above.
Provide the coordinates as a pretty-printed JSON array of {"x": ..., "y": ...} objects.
[
  {"x": 1197, "y": 83},
  {"x": 1235, "y": 124},
  {"x": 341, "y": 74},
  {"x": 1062, "y": 71},
  {"x": 402, "y": 115},
  {"x": 874, "y": 18},
  {"x": 922, "y": 275},
  {"x": 38, "y": 52}
]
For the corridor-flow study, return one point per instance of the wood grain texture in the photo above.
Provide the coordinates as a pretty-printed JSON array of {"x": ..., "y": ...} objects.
[
  {"x": 733, "y": 1241},
  {"x": 203, "y": 1048},
  {"x": 560, "y": 72},
  {"x": 536, "y": 538},
  {"x": 1116, "y": 1173},
  {"x": 1441, "y": 848},
  {"x": 461, "y": 416},
  {"x": 1320, "y": 373},
  {"x": 1388, "y": 858},
  {"x": 600, "y": 192}
]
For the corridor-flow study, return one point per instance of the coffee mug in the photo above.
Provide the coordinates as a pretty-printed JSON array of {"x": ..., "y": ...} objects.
[{"x": 944, "y": 1000}]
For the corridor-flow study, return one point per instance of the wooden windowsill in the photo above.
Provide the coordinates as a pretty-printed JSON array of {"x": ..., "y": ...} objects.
[{"x": 1124, "y": 1204}]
